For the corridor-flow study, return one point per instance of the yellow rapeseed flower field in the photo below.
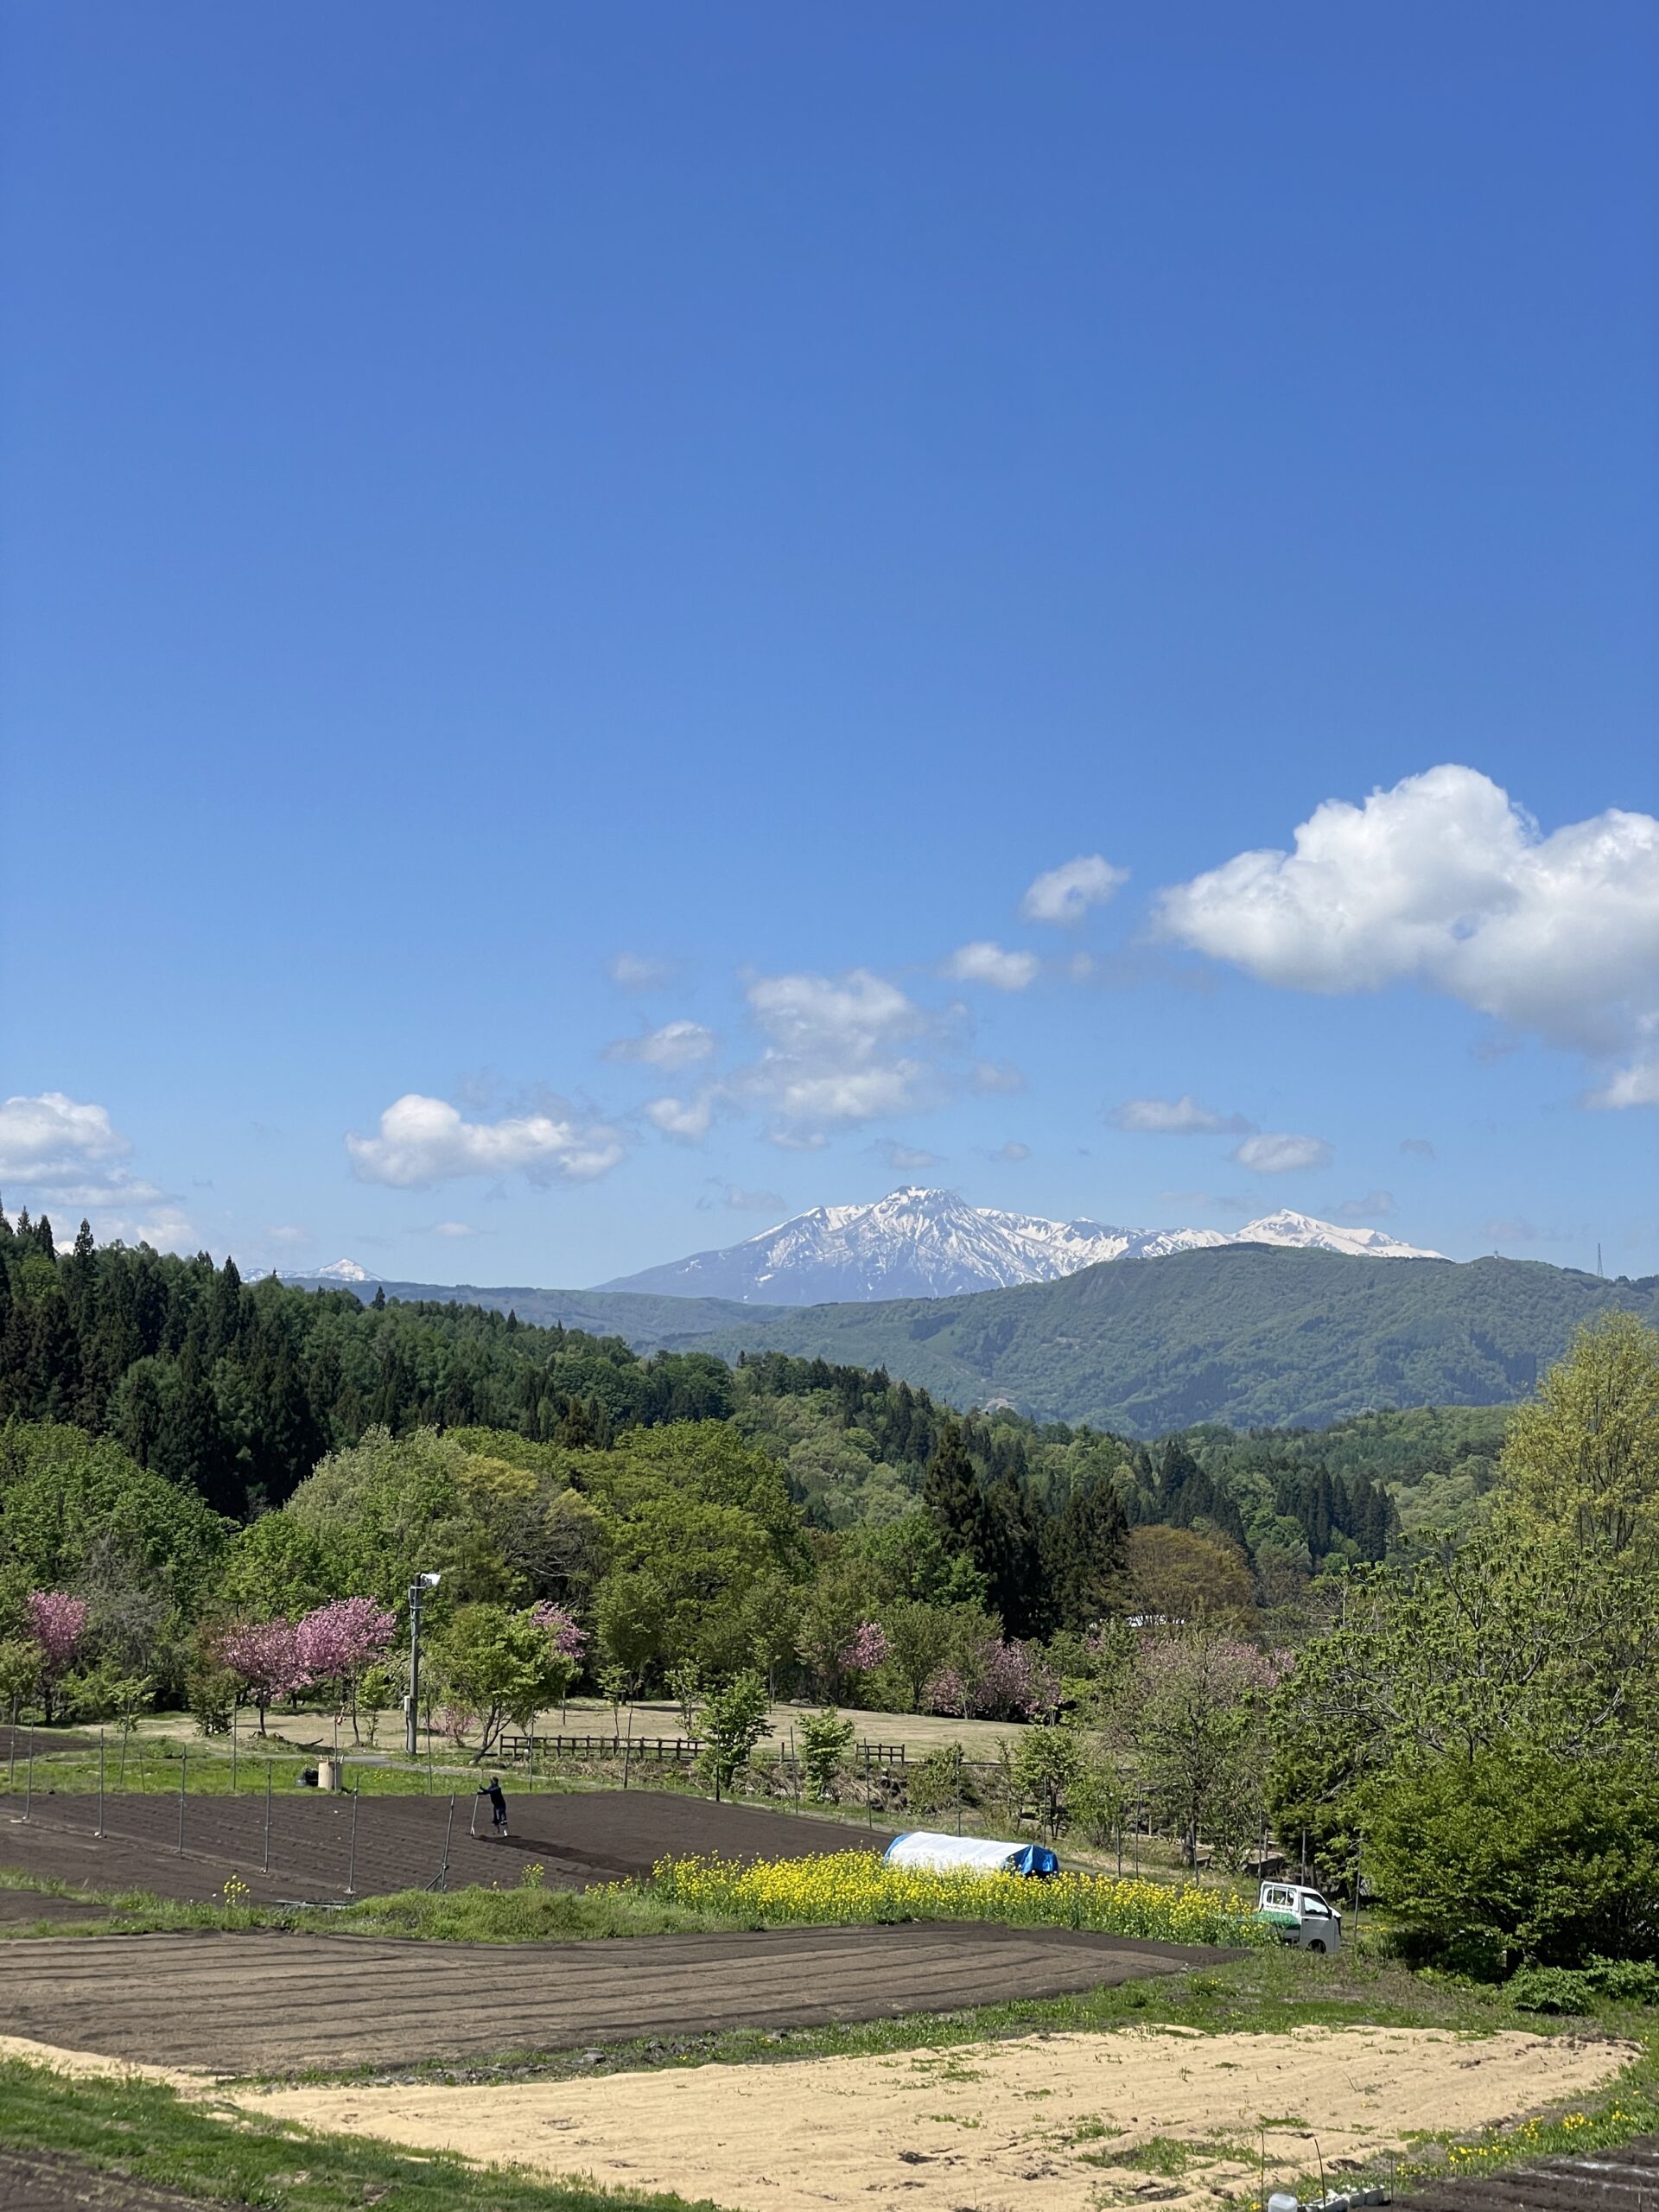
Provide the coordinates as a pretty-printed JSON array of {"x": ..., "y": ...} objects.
[{"x": 858, "y": 1887}]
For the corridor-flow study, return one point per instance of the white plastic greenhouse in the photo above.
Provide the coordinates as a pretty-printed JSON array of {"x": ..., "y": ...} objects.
[{"x": 971, "y": 1853}]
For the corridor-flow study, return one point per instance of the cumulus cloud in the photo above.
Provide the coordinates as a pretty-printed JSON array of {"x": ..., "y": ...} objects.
[
  {"x": 1446, "y": 881},
  {"x": 687, "y": 1119},
  {"x": 454, "y": 1229},
  {"x": 1064, "y": 894},
  {"x": 1419, "y": 1146},
  {"x": 836, "y": 1049},
  {"x": 1177, "y": 1117},
  {"x": 676, "y": 1045},
  {"x": 54, "y": 1142},
  {"x": 637, "y": 971},
  {"x": 1636, "y": 1085},
  {"x": 1281, "y": 1155},
  {"x": 424, "y": 1140},
  {"x": 797, "y": 1139},
  {"x": 985, "y": 962},
  {"x": 1012, "y": 1151}
]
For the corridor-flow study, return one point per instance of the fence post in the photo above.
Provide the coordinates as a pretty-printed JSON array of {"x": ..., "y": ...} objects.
[
  {"x": 268, "y": 1773},
  {"x": 869, "y": 1803},
  {"x": 100, "y": 1783},
  {"x": 628, "y": 1755},
  {"x": 184, "y": 1770},
  {"x": 958, "y": 1789},
  {"x": 28, "y": 1775},
  {"x": 351, "y": 1859}
]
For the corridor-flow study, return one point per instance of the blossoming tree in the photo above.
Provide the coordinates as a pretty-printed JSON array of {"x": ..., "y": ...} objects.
[
  {"x": 265, "y": 1656},
  {"x": 55, "y": 1622},
  {"x": 337, "y": 1643}
]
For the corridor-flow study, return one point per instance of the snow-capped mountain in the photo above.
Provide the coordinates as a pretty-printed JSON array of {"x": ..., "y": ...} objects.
[
  {"x": 341, "y": 1271},
  {"x": 918, "y": 1243}
]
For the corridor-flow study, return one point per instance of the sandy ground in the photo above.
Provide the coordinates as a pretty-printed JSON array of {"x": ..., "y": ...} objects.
[{"x": 1143, "y": 2115}]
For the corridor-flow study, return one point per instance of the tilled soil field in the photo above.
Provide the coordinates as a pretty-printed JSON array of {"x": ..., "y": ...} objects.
[
  {"x": 401, "y": 1843},
  {"x": 271, "y": 2003},
  {"x": 1624, "y": 2180}
]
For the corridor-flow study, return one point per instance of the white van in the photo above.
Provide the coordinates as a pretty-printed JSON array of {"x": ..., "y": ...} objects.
[{"x": 1302, "y": 1915}]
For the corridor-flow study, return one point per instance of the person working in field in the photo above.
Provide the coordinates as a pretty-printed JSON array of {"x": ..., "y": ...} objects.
[{"x": 492, "y": 1791}]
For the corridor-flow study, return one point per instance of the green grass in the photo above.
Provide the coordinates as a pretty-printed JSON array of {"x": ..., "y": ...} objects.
[
  {"x": 143, "y": 2130},
  {"x": 527, "y": 1914}
]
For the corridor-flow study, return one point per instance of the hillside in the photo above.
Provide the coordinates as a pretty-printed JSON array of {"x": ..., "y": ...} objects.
[{"x": 1248, "y": 1335}]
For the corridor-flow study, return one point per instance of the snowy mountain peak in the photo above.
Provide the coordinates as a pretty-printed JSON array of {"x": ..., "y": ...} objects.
[
  {"x": 342, "y": 1271},
  {"x": 921, "y": 1243}
]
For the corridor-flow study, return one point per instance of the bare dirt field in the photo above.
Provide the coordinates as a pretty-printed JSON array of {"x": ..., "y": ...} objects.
[
  {"x": 1089, "y": 2120},
  {"x": 271, "y": 2003},
  {"x": 579, "y": 1837}
]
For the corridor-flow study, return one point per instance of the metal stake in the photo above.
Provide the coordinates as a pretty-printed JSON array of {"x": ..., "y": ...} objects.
[
  {"x": 351, "y": 1860},
  {"x": 268, "y": 1774},
  {"x": 184, "y": 1770},
  {"x": 28, "y": 1775},
  {"x": 99, "y": 1830},
  {"x": 443, "y": 1870},
  {"x": 233, "y": 1754}
]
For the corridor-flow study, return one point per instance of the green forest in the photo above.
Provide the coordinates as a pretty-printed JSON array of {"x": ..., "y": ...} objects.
[{"x": 1424, "y": 1638}]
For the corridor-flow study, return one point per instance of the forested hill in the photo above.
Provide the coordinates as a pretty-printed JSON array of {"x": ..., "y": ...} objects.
[{"x": 1255, "y": 1337}]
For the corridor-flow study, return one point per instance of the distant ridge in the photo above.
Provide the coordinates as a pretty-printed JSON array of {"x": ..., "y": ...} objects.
[
  {"x": 923, "y": 1243},
  {"x": 1251, "y": 1335}
]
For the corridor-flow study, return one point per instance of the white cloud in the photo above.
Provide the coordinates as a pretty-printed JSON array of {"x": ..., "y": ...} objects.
[
  {"x": 637, "y": 971},
  {"x": 676, "y": 1045},
  {"x": 686, "y": 1118},
  {"x": 1177, "y": 1117},
  {"x": 54, "y": 1142},
  {"x": 984, "y": 963},
  {"x": 287, "y": 1232},
  {"x": 1064, "y": 894},
  {"x": 994, "y": 1076},
  {"x": 1635, "y": 1085},
  {"x": 1012, "y": 1150},
  {"x": 1419, "y": 1146},
  {"x": 797, "y": 1139},
  {"x": 1446, "y": 881},
  {"x": 424, "y": 1140},
  {"x": 453, "y": 1228},
  {"x": 834, "y": 1048},
  {"x": 1281, "y": 1155}
]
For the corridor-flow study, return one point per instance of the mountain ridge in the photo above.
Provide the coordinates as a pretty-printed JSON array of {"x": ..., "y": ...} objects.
[{"x": 918, "y": 1243}]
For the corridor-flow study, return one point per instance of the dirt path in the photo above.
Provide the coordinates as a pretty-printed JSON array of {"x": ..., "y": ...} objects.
[
  {"x": 269, "y": 2003},
  {"x": 1089, "y": 2121}
]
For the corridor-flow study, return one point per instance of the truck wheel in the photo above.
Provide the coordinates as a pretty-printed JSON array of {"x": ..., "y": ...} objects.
[{"x": 1316, "y": 1945}]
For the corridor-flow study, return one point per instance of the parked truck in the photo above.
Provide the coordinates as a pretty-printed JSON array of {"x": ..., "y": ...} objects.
[{"x": 1300, "y": 1915}]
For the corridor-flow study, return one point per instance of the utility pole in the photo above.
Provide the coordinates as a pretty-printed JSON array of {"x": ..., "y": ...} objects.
[{"x": 412, "y": 1702}]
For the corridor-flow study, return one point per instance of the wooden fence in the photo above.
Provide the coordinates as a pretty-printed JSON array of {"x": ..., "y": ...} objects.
[{"x": 679, "y": 1750}]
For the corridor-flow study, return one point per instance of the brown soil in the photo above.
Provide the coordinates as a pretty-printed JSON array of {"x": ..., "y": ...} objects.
[
  {"x": 1089, "y": 2120},
  {"x": 271, "y": 2003},
  {"x": 43, "y": 2181},
  {"x": 1624, "y": 2180},
  {"x": 579, "y": 1837}
]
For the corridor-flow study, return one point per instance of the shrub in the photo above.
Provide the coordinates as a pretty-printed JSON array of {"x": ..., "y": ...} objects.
[{"x": 1510, "y": 1859}]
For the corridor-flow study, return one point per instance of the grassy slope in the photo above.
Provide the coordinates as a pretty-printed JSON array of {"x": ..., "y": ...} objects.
[
  {"x": 1251, "y": 1335},
  {"x": 139, "y": 2128}
]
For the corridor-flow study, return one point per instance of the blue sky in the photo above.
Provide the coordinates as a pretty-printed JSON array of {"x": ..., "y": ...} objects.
[{"x": 567, "y": 571}]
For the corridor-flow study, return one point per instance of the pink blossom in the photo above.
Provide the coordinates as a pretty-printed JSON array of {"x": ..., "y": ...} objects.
[
  {"x": 57, "y": 1622},
  {"x": 265, "y": 1656},
  {"x": 866, "y": 1650},
  {"x": 998, "y": 1682},
  {"x": 568, "y": 1640},
  {"x": 337, "y": 1642}
]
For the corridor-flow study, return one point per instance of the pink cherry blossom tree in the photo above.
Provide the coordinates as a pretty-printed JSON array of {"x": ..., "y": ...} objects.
[
  {"x": 56, "y": 1623},
  {"x": 335, "y": 1643},
  {"x": 265, "y": 1656},
  {"x": 570, "y": 1640},
  {"x": 865, "y": 1650}
]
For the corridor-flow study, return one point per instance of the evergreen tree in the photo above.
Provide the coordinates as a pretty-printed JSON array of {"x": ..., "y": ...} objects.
[
  {"x": 952, "y": 1497},
  {"x": 1085, "y": 1557}
]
